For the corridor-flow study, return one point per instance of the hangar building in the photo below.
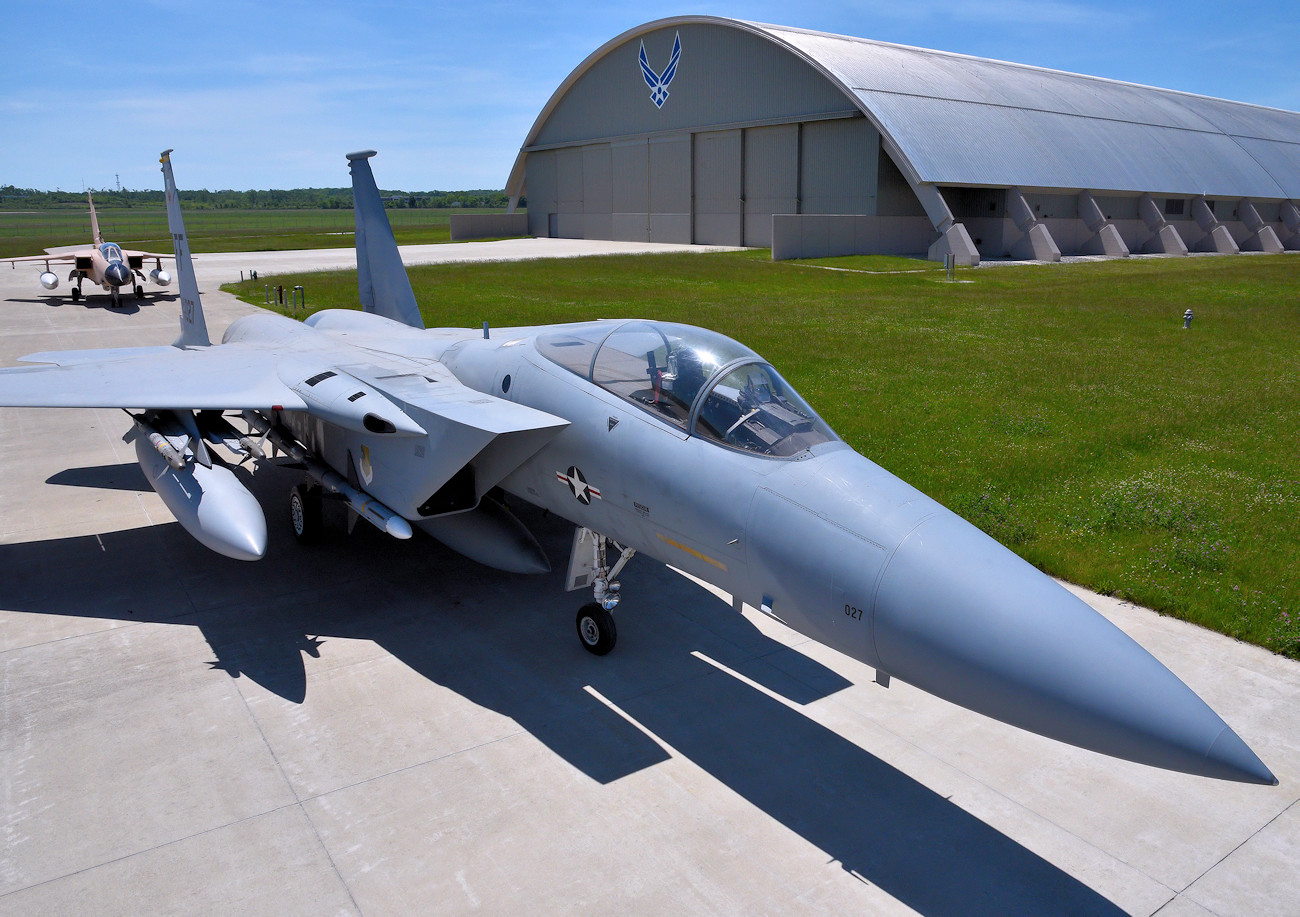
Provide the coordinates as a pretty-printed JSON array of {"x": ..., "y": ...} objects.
[{"x": 711, "y": 130}]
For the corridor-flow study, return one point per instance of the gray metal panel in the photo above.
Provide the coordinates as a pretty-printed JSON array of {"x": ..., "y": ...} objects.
[
  {"x": 670, "y": 188},
  {"x": 771, "y": 179},
  {"x": 597, "y": 179},
  {"x": 597, "y": 191},
  {"x": 670, "y": 174},
  {"x": 630, "y": 227},
  {"x": 839, "y": 167},
  {"x": 543, "y": 192},
  {"x": 631, "y": 171},
  {"x": 718, "y": 187},
  {"x": 568, "y": 169}
]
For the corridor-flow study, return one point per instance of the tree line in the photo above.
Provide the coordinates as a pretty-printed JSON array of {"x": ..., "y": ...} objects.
[{"x": 12, "y": 198}]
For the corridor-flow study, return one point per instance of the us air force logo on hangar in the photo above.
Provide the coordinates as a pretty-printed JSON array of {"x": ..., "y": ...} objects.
[{"x": 658, "y": 82}]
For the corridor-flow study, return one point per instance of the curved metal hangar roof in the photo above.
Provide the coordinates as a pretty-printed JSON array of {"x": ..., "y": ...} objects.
[{"x": 949, "y": 119}]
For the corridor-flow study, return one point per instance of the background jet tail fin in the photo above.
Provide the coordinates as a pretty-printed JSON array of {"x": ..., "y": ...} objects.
[
  {"x": 94, "y": 221},
  {"x": 381, "y": 279},
  {"x": 194, "y": 329}
]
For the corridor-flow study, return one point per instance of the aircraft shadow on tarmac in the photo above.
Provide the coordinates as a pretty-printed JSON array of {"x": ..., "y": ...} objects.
[
  {"x": 507, "y": 643},
  {"x": 126, "y": 477},
  {"x": 130, "y": 305}
]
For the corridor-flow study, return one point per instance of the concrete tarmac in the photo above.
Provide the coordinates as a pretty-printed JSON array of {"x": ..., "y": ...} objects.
[{"x": 382, "y": 727}]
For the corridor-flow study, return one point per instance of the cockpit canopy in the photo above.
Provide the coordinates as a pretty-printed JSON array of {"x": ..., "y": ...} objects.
[
  {"x": 698, "y": 380},
  {"x": 110, "y": 252}
]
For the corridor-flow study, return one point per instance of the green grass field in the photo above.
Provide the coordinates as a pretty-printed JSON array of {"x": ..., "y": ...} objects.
[
  {"x": 1063, "y": 409},
  {"x": 30, "y": 233}
]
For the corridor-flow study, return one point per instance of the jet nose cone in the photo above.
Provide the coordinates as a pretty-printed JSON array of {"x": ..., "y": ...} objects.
[
  {"x": 960, "y": 616},
  {"x": 119, "y": 275}
]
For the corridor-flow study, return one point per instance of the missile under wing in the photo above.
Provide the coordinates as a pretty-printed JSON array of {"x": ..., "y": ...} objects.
[
  {"x": 389, "y": 431},
  {"x": 653, "y": 438}
]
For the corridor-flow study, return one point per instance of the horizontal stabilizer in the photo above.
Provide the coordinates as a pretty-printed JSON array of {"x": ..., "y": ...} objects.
[{"x": 110, "y": 354}]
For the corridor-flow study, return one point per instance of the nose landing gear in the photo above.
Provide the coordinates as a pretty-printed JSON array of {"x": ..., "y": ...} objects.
[
  {"x": 589, "y": 566},
  {"x": 596, "y": 629}
]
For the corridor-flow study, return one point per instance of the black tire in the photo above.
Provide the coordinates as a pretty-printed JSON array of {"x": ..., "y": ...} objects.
[
  {"x": 139, "y": 291},
  {"x": 305, "y": 514},
  {"x": 596, "y": 629},
  {"x": 76, "y": 294}
]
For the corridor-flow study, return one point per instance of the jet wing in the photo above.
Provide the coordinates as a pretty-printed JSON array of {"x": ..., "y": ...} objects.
[
  {"x": 66, "y": 257},
  {"x": 230, "y": 377}
]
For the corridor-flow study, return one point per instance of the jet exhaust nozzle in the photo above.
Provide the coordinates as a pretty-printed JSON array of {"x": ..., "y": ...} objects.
[{"x": 49, "y": 280}]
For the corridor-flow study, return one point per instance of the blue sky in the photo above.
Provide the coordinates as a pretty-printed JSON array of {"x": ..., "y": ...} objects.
[{"x": 272, "y": 94}]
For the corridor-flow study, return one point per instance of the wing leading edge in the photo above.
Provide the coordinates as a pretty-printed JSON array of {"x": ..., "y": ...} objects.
[{"x": 230, "y": 377}]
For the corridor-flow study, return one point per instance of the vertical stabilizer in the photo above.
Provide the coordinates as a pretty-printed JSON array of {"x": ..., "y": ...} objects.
[
  {"x": 194, "y": 330},
  {"x": 381, "y": 279},
  {"x": 94, "y": 221}
]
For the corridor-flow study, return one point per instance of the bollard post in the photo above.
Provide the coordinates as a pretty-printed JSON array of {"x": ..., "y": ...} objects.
[
  {"x": 302, "y": 297},
  {"x": 279, "y": 294},
  {"x": 241, "y": 276},
  {"x": 1187, "y": 320},
  {"x": 268, "y": 294},
  {"x": 950, "y": 265}
]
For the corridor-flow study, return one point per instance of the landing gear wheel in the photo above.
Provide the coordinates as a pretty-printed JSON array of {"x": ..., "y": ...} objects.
[
  {"x": 596, "y": 629},
  {"x": 139, "y": 291},
  {"x": 305, "y": 514},
  {"x": 76, "y": 294}
]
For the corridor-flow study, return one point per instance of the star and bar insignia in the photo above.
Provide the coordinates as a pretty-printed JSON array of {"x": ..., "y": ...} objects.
[{"x": 578, "y": 484}]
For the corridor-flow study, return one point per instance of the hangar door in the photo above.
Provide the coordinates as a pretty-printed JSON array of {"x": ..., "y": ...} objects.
[
  {"x": 771, "y": 179},
  {"x": 650, "y": 193},
  {"x": 742, "y": 177},
  {"x": 718, "y": 188}
]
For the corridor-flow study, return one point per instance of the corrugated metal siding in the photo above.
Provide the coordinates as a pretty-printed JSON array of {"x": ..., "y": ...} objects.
[
  {"x": 670, "y": 189},
  {"x": 771, "y": 179},
  {"x": 631, "y": 191},
  {"x": 597, "y": 191},
  {"x": 1281, "y": 160},
  {"x": 838, "y": 169},
  {"x": 543, "y": 194},
  {"x": 568, "y": 169},
  {"x": 963, "y": 120},
  {"x": 961, "y": 143}
]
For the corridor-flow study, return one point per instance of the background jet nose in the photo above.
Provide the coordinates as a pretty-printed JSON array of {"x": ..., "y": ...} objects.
[
  {"x": 119, "y": 275},
  {"x": 960, "y": 616}
]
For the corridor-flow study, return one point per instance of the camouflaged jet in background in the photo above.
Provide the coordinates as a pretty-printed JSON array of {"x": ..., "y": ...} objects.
[
  {"x": 661, "y": 439},
  {"x": 105, "y": 264}
]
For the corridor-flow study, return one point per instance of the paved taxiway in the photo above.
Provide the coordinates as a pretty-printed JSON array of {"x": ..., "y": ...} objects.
[{"x": 386, "y": 728}]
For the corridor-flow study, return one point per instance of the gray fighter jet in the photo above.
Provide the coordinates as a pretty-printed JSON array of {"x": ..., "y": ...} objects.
[{"x": 661, "y": 439}]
